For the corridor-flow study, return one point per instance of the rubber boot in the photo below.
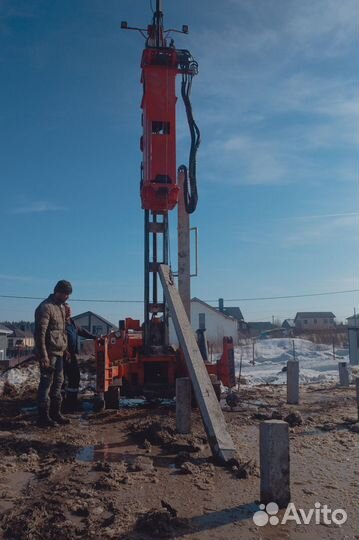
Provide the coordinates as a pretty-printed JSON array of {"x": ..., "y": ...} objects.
[
  {"x": 55, "y": 413},
  {"x": 72, "y": 401},
  {"x": 44, "y": 419}
]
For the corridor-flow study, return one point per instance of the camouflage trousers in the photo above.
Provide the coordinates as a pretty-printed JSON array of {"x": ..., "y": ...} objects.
[{"x": 51, "y": 379}]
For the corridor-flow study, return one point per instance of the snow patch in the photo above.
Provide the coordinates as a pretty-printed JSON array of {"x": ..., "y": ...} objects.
[
  {"x": 316, "y": 361},
  {"x": 21, "y": 378}
]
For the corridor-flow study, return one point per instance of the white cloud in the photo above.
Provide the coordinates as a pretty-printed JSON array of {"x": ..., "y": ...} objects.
[
  {"x": 37, "y": 207},
  {"x": 7, "y": 277},
  {"x": 308, "y": 217},
  {"x": 329, "y": 96},
  {"x": 272, "y": 95},
  {"x": 316, "y": 232},
  {"x": 301, "y": 26},
  {"x": 259, "y": 160},
  {"x": 328, "y": 21},
  {"x": 306, "y": 230}
]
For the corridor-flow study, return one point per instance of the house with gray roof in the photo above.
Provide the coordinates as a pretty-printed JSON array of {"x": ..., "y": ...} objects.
[
  {"x": 261, "y": 328},
  {"x": 4, "y": 333},
  {"x": 314, "y": 320},
  {"x": 288, "y": 324},
  {"x": 234, "y": 312},
  {"x": 216, "y": 323},
  {"x": 93, "y": 323}
]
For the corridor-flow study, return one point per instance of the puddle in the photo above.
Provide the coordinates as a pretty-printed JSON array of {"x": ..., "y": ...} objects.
[
  {"x": 87, "y": 406},
  {"x": 167, "y": 402},
  {"x": 113, "y": 453},
  {"x": 125, "y": 403},
  {"x": 249, "y": 405},
  {"x": 29, "y": 409},
  {"x": 86, "y": 454},
  {"x": 129, "y": 403},
  {"x": 165, "y": 462},
  {"x": 103, "y": 452},
  {"x": 318, "y": 431},
  {"x": 110, "y": 451}
]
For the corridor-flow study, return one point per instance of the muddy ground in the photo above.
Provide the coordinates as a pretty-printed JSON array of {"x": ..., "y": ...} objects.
[{"x": 127, "y": 475}]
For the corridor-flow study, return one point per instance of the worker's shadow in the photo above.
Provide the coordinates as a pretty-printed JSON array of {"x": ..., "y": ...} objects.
[
  {"x": 224, "y": 517},
  {"x": 199, "y": 524}
]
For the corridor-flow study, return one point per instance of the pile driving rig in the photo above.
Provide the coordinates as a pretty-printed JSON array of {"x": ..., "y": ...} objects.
[{"x": 138, "y": 357}]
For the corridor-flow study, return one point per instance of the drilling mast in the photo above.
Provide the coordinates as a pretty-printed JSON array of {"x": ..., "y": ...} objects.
[{"x": 161, "y": 63}]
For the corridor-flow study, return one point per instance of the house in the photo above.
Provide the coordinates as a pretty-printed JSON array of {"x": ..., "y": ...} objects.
[
  {"x": 216, "y": 323},
  {"x": 314, "y": 320},
  {"x": 234, "y": 312},
  {"x": 19, "y": 342},
  {"x": 259, "y": 328},
  {"x": 288, "y": 327},
  {"x": 288, "y": 324},
  {"x": 20, "y": 338},
  {"x": 353, "y": 337},
  {"x": 4, "y": 333},
  {"x": 93, "y": 323}
]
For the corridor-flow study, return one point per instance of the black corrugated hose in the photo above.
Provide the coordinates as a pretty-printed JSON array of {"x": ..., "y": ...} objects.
[{"x": 190, "y": 181}]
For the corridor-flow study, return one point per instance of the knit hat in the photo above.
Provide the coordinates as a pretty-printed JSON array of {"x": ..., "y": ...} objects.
[{"x": 63, "y": 286}]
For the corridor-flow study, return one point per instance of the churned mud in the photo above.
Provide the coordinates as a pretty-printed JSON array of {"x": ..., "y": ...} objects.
[{"x": 127, "y": 474}]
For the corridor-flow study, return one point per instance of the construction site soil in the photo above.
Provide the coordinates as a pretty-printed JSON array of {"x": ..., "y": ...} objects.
[{"x": 127, "y": 475}]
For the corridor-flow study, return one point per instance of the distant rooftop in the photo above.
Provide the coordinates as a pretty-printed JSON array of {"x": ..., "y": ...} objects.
[
  {"x": 87, "y": 313},
  {"x": 5, "y": 329},
  {"x": 315, "y": 315},
  {"x": 216, "y": 310},
  {"x": 261, "y": 325},
  {"x": 234, "y": 312},
  {"x": 17, "y": 332}
]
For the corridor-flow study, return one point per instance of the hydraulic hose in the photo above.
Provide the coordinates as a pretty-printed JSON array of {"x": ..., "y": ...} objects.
[{"x": 190, "y": 181}]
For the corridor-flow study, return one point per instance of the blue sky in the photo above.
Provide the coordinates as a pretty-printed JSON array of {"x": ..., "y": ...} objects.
[{"x": 276, "y": 100}]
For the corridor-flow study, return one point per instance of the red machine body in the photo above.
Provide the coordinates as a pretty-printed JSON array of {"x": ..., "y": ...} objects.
[
  {"x": 159, "y": 190},
  {"x": 122, "y": 363}
]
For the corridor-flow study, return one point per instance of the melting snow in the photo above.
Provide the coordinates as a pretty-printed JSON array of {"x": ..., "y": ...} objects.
[{"x": 316, "y": 361}]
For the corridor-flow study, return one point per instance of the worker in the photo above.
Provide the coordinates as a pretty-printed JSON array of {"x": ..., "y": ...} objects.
[
  {"x": 50, "y": 345},
  {"x": 71, "y": 366}
]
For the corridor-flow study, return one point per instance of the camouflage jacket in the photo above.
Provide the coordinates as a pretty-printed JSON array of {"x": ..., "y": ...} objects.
[{"x": 50, "y": 329}]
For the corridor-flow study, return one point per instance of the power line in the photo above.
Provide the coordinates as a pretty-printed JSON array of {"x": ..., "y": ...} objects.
[
  {"x": 284, "y": 297},
  {"x": 12, "y": 296},
  {"x": 249, "y": 299}
]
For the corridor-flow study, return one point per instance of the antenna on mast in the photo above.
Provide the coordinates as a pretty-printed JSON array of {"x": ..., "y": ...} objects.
[
  {"x": 155, "y": 34},
  {"x": 158, "y": 23}
]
